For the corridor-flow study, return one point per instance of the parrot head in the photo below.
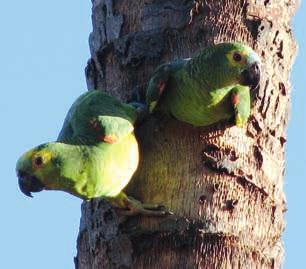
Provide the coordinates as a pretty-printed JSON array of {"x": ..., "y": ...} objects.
[
  {"x": 233, "y": 63},
  {"x": 39, "y": 169}
]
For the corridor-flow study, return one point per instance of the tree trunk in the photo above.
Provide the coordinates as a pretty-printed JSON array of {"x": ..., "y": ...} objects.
[{"x": 223, "y": 183}]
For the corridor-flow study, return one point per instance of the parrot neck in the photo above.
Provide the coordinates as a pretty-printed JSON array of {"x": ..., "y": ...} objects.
[
  {"x": 72, "y": 161},
  {"x": 195, "y": 69},
  {"x": 209, "y": 75}
]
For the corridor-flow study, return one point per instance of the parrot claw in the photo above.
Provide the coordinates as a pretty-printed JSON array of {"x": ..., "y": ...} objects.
[{"x": 135, "y": 207}]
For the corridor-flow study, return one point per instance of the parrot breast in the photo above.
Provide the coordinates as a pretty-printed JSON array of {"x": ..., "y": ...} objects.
[{"x": 108, "y": 169}]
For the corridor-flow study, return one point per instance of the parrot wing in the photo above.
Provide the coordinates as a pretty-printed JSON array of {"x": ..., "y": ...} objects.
[
  {"x": 158, "y": 82},
  {"x": 111, "y": 129},
  {"x": 242, "y": 103},
  {"x": 67, "y": 132},
  {"x": 96, "y": 116}
]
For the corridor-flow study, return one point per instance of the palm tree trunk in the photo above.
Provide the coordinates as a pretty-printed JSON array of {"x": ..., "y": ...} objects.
[{"x": 224, "y": 184}]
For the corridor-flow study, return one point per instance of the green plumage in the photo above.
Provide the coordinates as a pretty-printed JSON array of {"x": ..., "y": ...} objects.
[
  {"x": 204, "y": 90},
  {"x": 96, "y": 113},
  {"x": 95, "y": 155}
]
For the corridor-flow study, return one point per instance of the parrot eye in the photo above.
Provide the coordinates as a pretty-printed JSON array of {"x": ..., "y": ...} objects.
[
  {"x": 237, "y": 57},
  {"x": 38, "y": 161}
]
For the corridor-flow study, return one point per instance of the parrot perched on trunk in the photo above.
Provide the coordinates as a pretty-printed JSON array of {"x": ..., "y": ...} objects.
[
  {"x": 208, "y": 88},
  {"x": 95, "y": 155}
]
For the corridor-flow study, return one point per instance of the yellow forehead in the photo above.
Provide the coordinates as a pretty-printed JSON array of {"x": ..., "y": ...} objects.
[{"x": 45, "y": 154}]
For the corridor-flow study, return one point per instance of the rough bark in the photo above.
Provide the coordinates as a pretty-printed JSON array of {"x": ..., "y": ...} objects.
[{"x": 224, "y": 184}]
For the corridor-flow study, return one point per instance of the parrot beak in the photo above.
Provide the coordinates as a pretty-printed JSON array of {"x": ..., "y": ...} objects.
[
  {"x": 28, "y": 183},
  {"x": 251, "y": 75}
]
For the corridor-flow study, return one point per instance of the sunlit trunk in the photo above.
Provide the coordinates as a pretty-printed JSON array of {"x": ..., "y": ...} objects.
[{"x": 223, "y": 183}]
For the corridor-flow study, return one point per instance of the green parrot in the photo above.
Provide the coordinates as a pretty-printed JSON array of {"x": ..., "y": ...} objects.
[
  {"x": 210, "y": 87},
  {"x": 95, "y": 155}
]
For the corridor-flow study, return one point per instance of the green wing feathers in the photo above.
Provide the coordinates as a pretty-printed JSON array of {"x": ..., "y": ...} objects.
[
  {"x": 95, "y": 115},
  {"x": 242, "y": 104},
  {"x": 157, "y": 85},
  {"x": 159, "y": 81},
  {"x": 111, "y": 129}
]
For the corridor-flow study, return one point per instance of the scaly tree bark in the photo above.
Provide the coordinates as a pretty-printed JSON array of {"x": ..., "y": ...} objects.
[{"x": 223, "y": 183}]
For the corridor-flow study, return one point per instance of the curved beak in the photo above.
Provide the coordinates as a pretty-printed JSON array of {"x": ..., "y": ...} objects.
[
  {"x": 29, "y": 183},
  {"x": 251, "y": 75}
]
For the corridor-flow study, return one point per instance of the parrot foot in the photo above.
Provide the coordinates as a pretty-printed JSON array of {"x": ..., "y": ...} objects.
[{"x": 135, "y": 207}]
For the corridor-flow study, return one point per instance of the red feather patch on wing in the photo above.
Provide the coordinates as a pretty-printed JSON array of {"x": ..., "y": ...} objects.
[
  {"x": 161, "y": 86},
  {"x": 110, "y": 139},
  {"x": 235, "y": 99}
]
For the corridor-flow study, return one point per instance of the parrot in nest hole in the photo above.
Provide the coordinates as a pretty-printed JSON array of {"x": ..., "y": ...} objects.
[
  {"x": 95, "y": 155},
  {"x": 213, "y": 86}
]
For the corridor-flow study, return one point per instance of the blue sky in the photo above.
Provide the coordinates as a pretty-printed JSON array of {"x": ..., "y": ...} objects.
[{"x": 43, "y": 54}]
